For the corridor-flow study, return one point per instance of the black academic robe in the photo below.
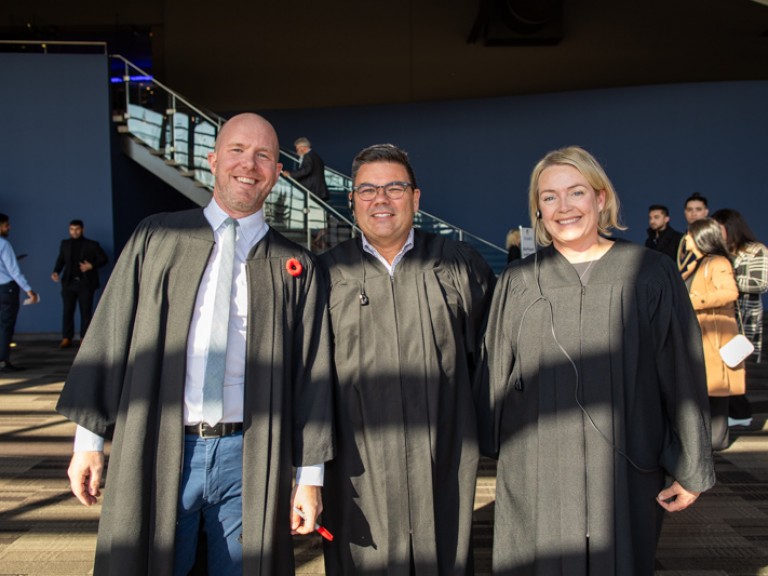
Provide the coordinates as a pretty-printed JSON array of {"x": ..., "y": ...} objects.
[
  {"x": 129, "y": 374},
  {"x": 406, "y": 431},
  {"x": 586, "y": 423}
]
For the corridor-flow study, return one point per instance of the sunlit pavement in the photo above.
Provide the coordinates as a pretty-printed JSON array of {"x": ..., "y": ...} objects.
[{"x": 45, "y": 531}]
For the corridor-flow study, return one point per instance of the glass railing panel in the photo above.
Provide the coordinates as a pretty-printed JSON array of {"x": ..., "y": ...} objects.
[
  {"x": 177, "y": 137},
  {"x": 304, "y": 219},
  {"x": 204, "y": 141},
  {"x": 337, "y": 182},
  {"x": 146, "y": 125}
]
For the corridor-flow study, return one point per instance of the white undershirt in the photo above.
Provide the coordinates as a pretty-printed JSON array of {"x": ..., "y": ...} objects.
[{"x": 368, "y": 247}]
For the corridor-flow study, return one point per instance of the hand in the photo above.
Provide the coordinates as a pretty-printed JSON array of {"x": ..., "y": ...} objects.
[
  {"x": 55, "y": 277},
  {"x": 85, "y": 471},
  {"x": 32, "y": 298},
  {"x": 676, "y": 498},
  {"x": 309, "y": 500},
  {"x": 85, "y": 266}
]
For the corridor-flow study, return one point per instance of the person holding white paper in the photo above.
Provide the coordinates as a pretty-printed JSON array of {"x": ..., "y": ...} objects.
[
  {"x": 11, "y": 279},
  {"x": 713, "y": 291}
]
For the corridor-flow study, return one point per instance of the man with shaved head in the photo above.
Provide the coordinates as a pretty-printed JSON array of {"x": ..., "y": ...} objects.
[{"x": 208, "y": 355}]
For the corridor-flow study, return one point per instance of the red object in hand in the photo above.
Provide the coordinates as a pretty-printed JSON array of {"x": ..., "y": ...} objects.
[
  {"x": 294, "y": 267},
  {"x": 322, "y": 530}
]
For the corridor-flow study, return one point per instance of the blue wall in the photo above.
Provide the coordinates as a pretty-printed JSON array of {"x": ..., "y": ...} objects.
[
  {"x": 55, "y": 150},
  {"x": 473, "y": 158}
]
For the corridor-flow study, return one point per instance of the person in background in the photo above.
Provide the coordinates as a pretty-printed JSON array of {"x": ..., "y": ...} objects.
[
  {"x": 513, "y": 245},
  {"x": 713, "y": 293},
  {"x": 79, "y": 259},
  {"x": 750, "y": 265},
  {"x": 208, "y": 355},
  {"x": 591, "y": 388},
  {"x": 311, "y": 174},
  {"x": 311, "y": 170},
  {"x": 661, "y": 236},
  {"x": 696, "y": 208},
  {"x": 406, "y": 311},
  {"x": 11, "y": 279}
]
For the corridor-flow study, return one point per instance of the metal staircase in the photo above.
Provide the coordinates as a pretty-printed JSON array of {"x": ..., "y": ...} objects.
[{"x": 171, "y": 138}]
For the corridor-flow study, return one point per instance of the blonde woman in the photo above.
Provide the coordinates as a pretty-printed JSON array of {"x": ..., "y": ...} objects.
[{"x": 592, "y": 388}]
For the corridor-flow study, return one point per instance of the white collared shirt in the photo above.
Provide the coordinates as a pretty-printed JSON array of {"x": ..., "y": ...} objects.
[
  {"x": 250, "y": 230},
  {"x": 368, "y": 247}
]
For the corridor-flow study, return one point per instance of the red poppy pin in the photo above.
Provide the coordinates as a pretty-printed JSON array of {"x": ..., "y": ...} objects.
[{"x": 294, "y": 267}]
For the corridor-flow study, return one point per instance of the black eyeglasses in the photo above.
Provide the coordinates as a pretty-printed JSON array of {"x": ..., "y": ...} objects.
[{"x": 393, "y": 190}]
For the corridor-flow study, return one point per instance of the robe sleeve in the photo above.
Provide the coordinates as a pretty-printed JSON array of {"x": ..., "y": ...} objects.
[
  {"x": 91, "y": 393},
  {"x": 687, "y": 456},
  {"x": 474, "y": 281},
  {"x": 496, "y": 362},
  {"x": 313, "y": 397}
]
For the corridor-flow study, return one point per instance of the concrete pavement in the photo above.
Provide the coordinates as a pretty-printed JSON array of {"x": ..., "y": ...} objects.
[{"x": 45, "y": 531}]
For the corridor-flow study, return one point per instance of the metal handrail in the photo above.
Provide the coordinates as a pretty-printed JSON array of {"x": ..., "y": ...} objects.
[
  {"x": 327, "y": 207},
  {"x": 463, "y": 233},
  {"x": 218, "y": 120}
]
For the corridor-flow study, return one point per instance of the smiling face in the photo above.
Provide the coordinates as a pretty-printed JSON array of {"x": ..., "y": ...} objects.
[
  {"x": 570, "y": 208},
  {"x": 384, "y": 221},
  {"x": 245, "y": 164}
]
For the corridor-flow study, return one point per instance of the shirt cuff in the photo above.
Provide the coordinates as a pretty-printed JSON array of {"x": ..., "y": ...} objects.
[
  {"x": 310, "y": 475},
  {"x": 87, "y": 441}
]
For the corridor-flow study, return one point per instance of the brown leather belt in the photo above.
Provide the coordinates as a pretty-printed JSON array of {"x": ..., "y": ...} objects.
[{"x": 204, "y": 430}]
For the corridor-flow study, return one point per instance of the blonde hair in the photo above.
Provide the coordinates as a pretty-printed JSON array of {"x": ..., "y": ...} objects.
[{"x": 585, "y": 163}]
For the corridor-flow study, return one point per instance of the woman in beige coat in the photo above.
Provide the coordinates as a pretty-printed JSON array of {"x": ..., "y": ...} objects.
[{"x": 713, "y": 292}]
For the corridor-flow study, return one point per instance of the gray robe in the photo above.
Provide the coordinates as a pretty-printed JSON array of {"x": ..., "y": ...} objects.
[
  {"x": 129, "y": 375},
  {"x": 406, "y": 427},
  {"x": 585, "y": 434}
]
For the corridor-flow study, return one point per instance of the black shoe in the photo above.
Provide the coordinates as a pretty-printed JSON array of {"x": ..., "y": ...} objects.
[{"x": 8, "y": 367}]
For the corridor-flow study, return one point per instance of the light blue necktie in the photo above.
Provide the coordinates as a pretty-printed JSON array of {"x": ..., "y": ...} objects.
[{"x": 213, "y": 385}]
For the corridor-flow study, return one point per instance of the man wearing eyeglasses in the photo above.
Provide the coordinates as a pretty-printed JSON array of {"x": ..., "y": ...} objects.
[{"x": 406, "y": 309}]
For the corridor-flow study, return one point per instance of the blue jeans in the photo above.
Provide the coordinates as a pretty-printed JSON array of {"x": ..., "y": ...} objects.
[
  {"x": 211, "y": 491},
  {"x": 9, "y": 309}
]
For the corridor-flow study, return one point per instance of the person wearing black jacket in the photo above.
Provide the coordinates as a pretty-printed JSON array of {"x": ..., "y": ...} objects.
[
  {"x": 77, "y": 267},
  {"x": 311, "y": 170},
  {"x": 661, "y": 236}
]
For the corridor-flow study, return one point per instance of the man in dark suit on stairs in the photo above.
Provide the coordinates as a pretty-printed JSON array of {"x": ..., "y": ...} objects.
[
  {"x": 311, "y": 174},
  {"x": 311, "y": 170},
  {"x": 80, "y": 260}
]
